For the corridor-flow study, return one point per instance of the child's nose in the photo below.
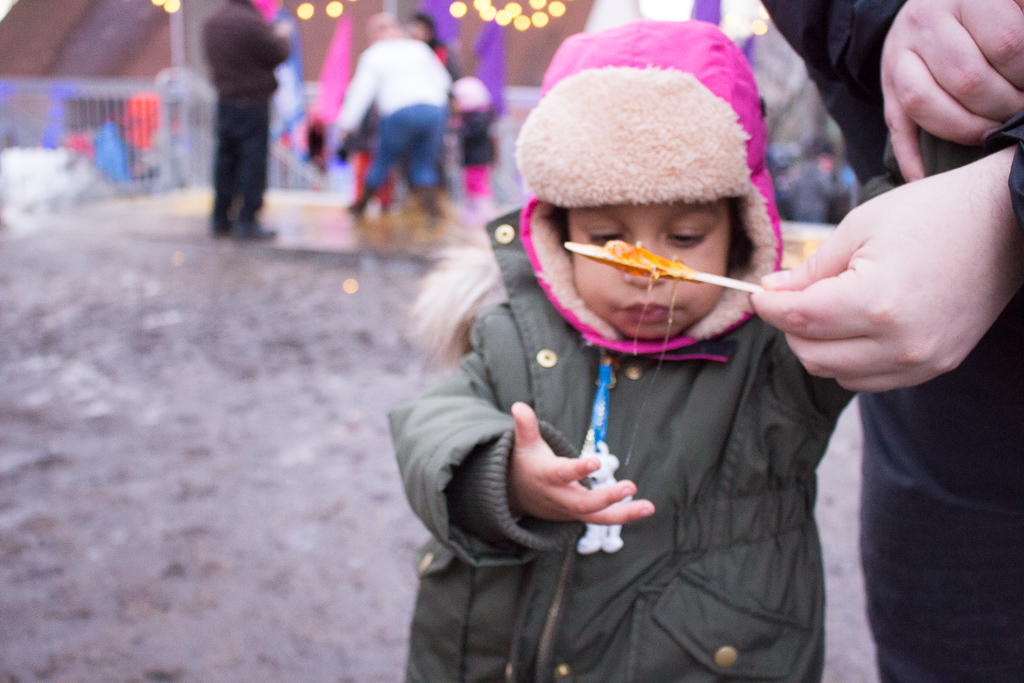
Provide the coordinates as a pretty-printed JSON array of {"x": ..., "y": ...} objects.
[{"x": 644, "y": 281}]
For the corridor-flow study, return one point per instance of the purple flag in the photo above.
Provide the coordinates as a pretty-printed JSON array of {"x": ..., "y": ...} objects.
[
  {"x": 489, "y": 47},
  {"x": 707, "y": 10},
  {"x": 748, "y": 49},
  {"x": 445, "y": 25}
]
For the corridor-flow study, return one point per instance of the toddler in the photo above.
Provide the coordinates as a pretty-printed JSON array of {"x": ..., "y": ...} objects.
[
  {"x": 651, "y": 132},
  {"x": 474, "y": 115}
]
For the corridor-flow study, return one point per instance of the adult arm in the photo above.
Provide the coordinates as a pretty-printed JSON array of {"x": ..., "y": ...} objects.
[
  {"x": 361, "y": 92},
  {"x": 908, "y": 282},
  {"x": 841, "y": 42},
  {"x": 268, "y": 45}
]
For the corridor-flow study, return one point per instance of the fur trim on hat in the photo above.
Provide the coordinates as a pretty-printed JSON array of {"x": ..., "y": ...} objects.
[
  {"x": 621, "y": 135},
  {"x": 465, "y": 281}
]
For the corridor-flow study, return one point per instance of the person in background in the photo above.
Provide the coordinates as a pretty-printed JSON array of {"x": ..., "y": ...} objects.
[
  {"x": 917, "y": 297},
  {"x": 812, "y": 185},
  {"x": 410, "y": 87},
  {"x": 474, "y": 115},
  {"x": 243, "y": 52},
  {"x": 422, "y": 27}
]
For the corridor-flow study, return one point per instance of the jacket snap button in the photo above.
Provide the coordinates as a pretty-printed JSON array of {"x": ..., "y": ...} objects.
[
  {"x": 425, "y": 562},
  {"x": 504, "y": 234},
  {"x": 547, "y": 358},
  {"x": 726, "y": 656},
  {"x": 634, "y": 372},
  {"x": 562, "y": 671}
]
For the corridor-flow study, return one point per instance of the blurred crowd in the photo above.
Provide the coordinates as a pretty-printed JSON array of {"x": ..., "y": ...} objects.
[{"x": 812, "y": 183}]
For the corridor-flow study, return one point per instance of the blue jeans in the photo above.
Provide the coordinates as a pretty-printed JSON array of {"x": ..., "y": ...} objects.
[{"x": 415, "y": 132}]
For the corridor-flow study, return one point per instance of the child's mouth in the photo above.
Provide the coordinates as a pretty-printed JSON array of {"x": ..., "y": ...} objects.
[{"x": 640, "y": 314}]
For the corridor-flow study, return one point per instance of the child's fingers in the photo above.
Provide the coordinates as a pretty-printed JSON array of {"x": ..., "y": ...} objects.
[
  {"x": 580, "y": 503},
  {"x": 621, "y": 513},
  {"x": 568, "y": 470}
]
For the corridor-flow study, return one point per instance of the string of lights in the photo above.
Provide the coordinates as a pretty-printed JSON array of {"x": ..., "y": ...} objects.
[
  {"x": 170, "y": 6},
  {"x": 537, "y": 15},
  {"x": 512, "y": 13},
  {"x": 306, "y": 10}
]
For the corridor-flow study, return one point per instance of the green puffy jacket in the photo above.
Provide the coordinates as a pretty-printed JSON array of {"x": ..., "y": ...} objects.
[{"x": 723, "y": 583}]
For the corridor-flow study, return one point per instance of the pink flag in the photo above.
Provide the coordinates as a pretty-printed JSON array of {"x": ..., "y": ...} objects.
[
  {"x": 335, "y": 73},
  {"x": 268, "y": 8}
]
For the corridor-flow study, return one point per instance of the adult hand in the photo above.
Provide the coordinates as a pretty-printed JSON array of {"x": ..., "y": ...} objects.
[
  {"x": 908, "y": 282},
  {"x": 954, "y": 68},
  {"x": 543, "y": 485}
]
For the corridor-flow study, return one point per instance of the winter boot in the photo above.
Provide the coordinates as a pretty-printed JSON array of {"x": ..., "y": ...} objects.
[
  {"x": 429, "y": 201},
  {"x": 359, "y": 207}
]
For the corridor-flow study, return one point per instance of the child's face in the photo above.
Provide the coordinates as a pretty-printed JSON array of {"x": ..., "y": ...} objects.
[{"x": 696, "y": 234}]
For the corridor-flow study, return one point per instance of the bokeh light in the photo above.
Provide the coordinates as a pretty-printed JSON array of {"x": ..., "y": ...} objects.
[
  {"x": 172, "y": 6},
  {"x": 538, "y": 4},
  {"x": 305, "y": 11},
  {"x": 556, "y": 9},
  {"x": 522, "y": 22},
  {"x": 540, "y": 20},
  {"x": 502, "y": 17},
  {"x": 334, "y": 9},
  {"x": 763, "y": 12},
  {"x": 514, "y": 9},
  {"x": 759, "y": 27},
  {"x": 488, "y": 13},
  {"x": 351, "y": 286},
  {"x": 458, "y": 9},
  {"x": 479, "y": 5},
  {"x": 158, "y": 3}
]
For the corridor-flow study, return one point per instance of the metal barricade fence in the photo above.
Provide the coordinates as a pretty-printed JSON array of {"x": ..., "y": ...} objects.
[
  {"x": 138, "y": 136},
  {"x": 142, "y": 136}
]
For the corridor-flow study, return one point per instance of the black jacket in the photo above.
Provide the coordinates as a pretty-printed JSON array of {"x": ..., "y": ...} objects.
[
  {"x": 475, "y": 137},
  {"x": 243, "y": 52},
  {"x": 841, "y": 42}
]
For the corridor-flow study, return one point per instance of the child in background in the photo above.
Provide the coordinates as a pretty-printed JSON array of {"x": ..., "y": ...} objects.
[
  {"x": 651, "y": 132},
  {"x": 475, "y": 114}
]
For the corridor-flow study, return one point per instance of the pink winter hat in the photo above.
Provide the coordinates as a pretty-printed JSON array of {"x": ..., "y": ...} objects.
[{"x": 649, "y": 112}]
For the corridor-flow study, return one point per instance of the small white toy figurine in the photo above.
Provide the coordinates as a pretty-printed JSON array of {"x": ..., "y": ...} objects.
[{"x": 599, "y": 536}]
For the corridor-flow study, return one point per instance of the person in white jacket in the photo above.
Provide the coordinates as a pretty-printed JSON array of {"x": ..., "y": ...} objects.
[{"x": 410, "y": 87}]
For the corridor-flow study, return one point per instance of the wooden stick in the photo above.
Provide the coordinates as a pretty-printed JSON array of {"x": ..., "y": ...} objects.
[{"x": 726, "y": 282}]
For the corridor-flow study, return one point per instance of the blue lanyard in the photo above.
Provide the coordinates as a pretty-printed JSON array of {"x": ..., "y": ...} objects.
[{"x": 599, "y": 415}]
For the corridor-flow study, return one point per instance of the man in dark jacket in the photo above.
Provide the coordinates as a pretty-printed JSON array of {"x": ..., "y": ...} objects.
[
  {"x": 943, "y": 498},
  {"x": 243, "y": 52}
]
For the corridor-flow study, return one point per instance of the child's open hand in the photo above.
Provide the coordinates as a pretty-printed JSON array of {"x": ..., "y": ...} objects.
[{"x": 543, "y": 485}]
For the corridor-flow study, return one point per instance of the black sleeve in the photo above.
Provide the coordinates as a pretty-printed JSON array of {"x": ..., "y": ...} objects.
[
  {"x": 1012, "y": 133},
  {"x": 841, "y": 42},
  {"x": 266, "y": 46}
]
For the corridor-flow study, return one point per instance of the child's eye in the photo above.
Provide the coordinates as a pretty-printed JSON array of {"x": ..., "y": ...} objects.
[
  {"x": 686, "y": 240},
  {"x": 601, "y": 238}
]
